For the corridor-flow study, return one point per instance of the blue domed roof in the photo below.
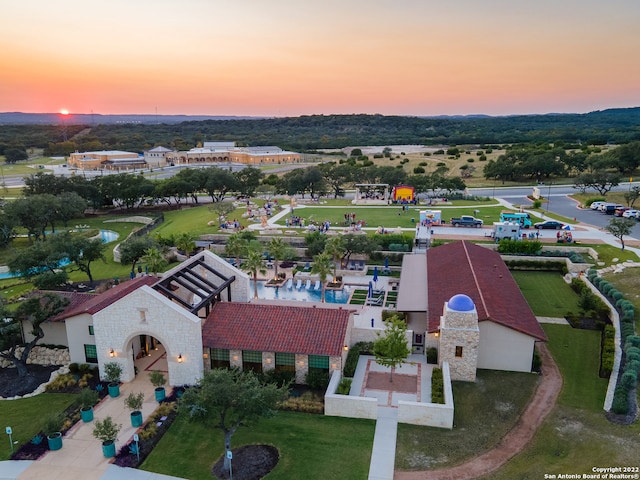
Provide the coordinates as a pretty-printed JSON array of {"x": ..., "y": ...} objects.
[{"x": 461, "y": 303}]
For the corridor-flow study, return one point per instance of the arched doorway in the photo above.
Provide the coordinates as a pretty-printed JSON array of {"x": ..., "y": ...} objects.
[{"x": 148, "y": 354}]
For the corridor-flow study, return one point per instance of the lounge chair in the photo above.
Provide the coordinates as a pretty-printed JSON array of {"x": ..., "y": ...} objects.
[
  {"x": 308, "y": 285},
  {"x": 290, "y": 283},
  {"x": 317, "y": 285},
  {"x": 299, "y": 285}
]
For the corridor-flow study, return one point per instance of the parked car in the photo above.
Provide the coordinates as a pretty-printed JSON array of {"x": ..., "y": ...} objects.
[
  {"x": 610, "y": 208},
  {"x": 549, "y": 225},
  {"x": 596, "y": 205},
  {"x": 631, "y": 213},
  {"x": 620, "y": 210}
]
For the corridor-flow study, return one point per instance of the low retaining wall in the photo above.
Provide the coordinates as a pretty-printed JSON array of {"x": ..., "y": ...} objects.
[
  {"x": 430, "y": 414},
  {"x": 41, "y": 356},
  {"x": 346, "y": 405}
]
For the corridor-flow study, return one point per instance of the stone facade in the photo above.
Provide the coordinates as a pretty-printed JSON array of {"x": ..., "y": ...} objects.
[
  {"x": 268, "y": 361},
  {"x": 147, "y": 312},
  {"x": 235, "y": 359},
  {"x": 302, "y": 368},
  {"x": 459, "y": 340}
]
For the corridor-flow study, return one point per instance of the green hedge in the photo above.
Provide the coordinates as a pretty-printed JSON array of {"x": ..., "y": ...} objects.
[
  {"x": 360, "y": 348},
  {"x": 608, "y": 351},
  {"x": 437, "y": 386}
]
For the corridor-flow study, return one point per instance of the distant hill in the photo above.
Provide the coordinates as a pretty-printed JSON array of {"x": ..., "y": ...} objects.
[{"x": 19, "y": 118}]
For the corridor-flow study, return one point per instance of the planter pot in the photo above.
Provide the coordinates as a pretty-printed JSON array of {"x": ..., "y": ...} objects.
[
  {"x": 55, "y": 441},
  {"x": 160, "y": 394},
  {"x": 136, "y": 419},
  {"x": 114, "y": 390},
  {"x": 86, "y": 414},
  {"x": 109, "y": 449}
]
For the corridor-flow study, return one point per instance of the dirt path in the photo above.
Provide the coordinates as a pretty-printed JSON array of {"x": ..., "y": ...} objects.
[{"x": 544, "y": 399}]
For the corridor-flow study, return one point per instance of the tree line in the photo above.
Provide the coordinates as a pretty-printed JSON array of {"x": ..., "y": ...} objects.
[{"x": 318, "y": 132}]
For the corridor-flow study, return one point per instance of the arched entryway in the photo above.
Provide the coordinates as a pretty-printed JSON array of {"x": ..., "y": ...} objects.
[{"x": 148, "y": 354}]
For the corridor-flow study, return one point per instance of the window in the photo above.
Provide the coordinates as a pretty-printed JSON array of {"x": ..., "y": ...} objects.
[
  {"x": 219, "y": 358},
  {"x": 90, "y": 329},
  {"x": 90, "y": 353},
  {"x": 252, "y": 360},
  {"x": 458, "y": 351},
  {"x": 285, "y": 362},
  {"x": 318, "y": 362}
]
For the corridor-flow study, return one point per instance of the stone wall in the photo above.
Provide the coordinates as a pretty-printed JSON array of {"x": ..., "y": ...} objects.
[
  {"x": 42, "y": 356},
  {"x": 346, "y": 405}
]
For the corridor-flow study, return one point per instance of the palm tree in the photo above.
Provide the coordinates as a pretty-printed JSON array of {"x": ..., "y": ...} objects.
[
  {"x": 335, "y": 248},
  {"x": 278, "y": 249},
  {"x": 236, "y": 246},
  {"x": 253, "y": 264},
  {"x": 322, "y": 266},
  {"x": 154, "y": 258},
  {"x": 186, "y": 242}
]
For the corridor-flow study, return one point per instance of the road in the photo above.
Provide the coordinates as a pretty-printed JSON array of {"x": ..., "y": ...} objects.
[{"x": 560, "y": 203}]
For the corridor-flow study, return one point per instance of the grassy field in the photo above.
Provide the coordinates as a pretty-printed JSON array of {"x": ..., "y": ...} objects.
[
  {"x": 311, "y": 447},
  {"x": 24, "y": 416},
  {"x": 576, "y": 436},
  {"x": 550, "y": 286},
  {"x": 484, "y": 412}
]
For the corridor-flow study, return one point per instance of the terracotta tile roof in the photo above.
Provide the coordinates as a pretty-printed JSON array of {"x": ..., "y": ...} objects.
[
  {"x": 480, "y": 273},
  {"x": 91, "y": 303},
  {"x": 274, "y": 328}
]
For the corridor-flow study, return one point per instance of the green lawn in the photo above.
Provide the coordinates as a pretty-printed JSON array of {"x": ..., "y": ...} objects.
[
  {"x": 576, "y": 436},
  {"x": 547, "y": 293},
  {"x": 577, "y": 353},
  {"x": 484, "y": 412},
  {"x": 311, "y": 447},
  {"x": 25, "y": 417}
]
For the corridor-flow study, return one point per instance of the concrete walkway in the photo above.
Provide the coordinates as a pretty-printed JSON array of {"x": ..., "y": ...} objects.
[{"x": 81, "y": 456}]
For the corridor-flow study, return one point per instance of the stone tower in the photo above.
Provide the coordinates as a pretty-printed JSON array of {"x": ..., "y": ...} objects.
[{"x": 459, "y": 338}]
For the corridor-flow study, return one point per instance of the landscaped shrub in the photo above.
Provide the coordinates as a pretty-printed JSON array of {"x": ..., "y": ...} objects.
[
  {"x": 437, "y": 386},
  {"x": 308, "y": 402},
  {"x": 617, "y": 295},
  {"x": 627, "y": 329},
  {"x": 633, "y": 354},
  {"x": 597, "y": 282},
  {"x": 360, "y": 348},
  {"x": 317, "y": 379},
  {"x": 345, "y": 386},
  {"x": 507, "y": 246},
  {"x": 432, "y": 355},
  {"x": 279, "y": 377},
  {"x": 608, "y": 351},
  {"x": 387, "y": 314},
  {"x": 620, "y": 404},
  {"x": 633, "y": 340},
  {"x": 629, "y": 380}
]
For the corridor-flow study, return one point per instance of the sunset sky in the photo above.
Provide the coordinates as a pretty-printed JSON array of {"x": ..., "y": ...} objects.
[{"x": 289, "y": 58}]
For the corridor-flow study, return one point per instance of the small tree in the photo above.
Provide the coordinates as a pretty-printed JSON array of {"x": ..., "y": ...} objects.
[
  {"x": 334, "y": 247},
  {"x": 279, "y": 250},
  {"x": 253, "y": 264},
  {"x": 134, "y": 401},
  {"x": 106, "y": 430},
  {"x": 112, "y": 372},
  {"x": 154, "y": 258},
  {"x": 322, "y": 266},
  {"x": 87, "y": 398},
  {"x": 157, "y": 378},
  {"x": 227, "y": 399},
  {"x": 33, "y": 311},
  {"x": 619, "y": 227},
  {"x": 391, "y": 349}
]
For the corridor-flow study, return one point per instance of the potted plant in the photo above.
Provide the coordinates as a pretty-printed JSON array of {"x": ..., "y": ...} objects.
[
  {"x": 87, "y": 399},
  {"x": 107, "y": 431},
  {"x": 158, "y": 380},
  {"x": 134, "y": 403},
  {"x": 112, "y": 372},
  {"x": 52, "y": 426}
]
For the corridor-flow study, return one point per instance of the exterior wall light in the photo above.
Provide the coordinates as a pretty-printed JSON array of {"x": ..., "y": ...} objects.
[
  {"x": 346, "y": 348},
  {"x": 112, "y": 353},
  {"x": 180, "y": 358}
]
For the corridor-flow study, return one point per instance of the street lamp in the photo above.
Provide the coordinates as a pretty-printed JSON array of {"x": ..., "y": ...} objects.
[{"x": 549, "y": 197}]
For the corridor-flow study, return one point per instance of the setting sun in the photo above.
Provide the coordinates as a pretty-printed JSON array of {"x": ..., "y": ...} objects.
[{"x": 64, "y": 111}]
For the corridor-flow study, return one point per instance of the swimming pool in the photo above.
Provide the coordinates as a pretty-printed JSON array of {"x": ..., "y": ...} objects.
[
  {"x": 301, "y": 295},
  {"x": 105, "y": 235}
]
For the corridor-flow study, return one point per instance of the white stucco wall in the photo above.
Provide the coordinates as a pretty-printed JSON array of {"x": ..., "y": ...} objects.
[
  {"x": 502, "y": 348},
  {"x": 77, "y": 332},
  {"x": 145, "y": 311},
  {"x": 54, "y": 333}
]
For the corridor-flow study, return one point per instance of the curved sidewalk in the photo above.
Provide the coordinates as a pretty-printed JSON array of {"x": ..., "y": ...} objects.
[{"x": 516, "y": 440}]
